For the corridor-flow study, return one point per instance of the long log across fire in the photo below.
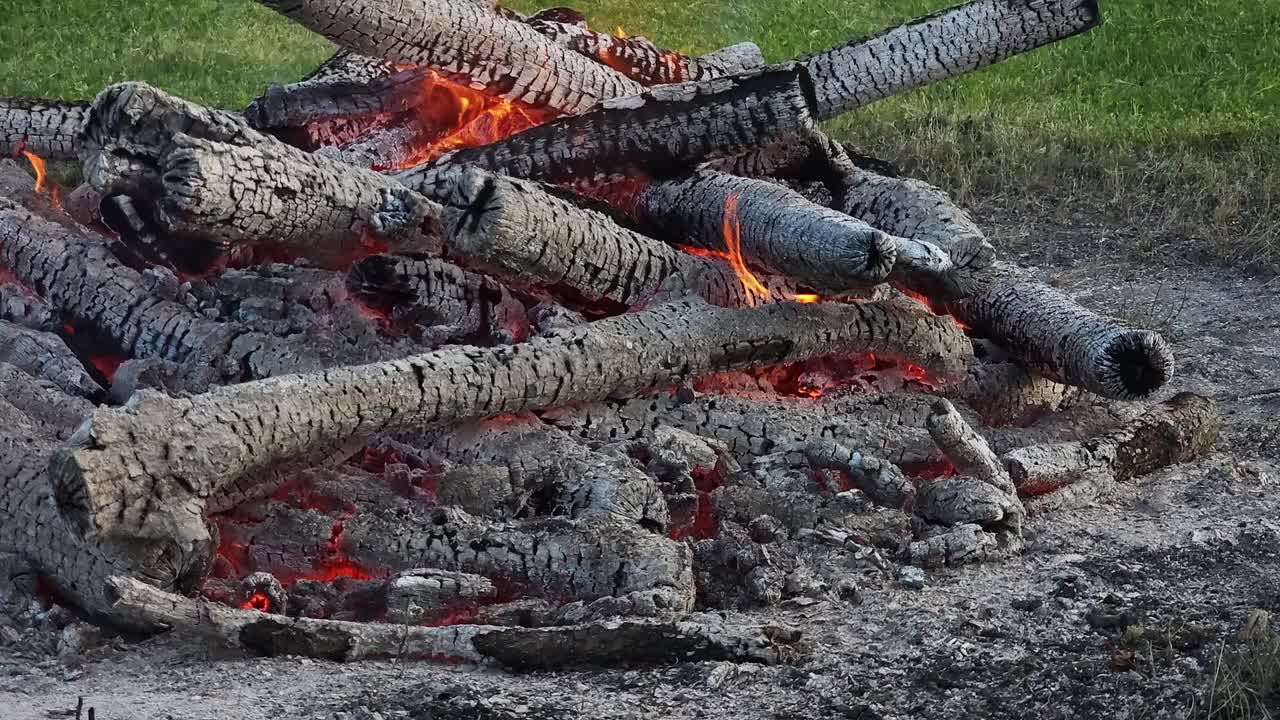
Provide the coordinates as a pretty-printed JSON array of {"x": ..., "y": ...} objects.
[{"x": 501, "y": 338}]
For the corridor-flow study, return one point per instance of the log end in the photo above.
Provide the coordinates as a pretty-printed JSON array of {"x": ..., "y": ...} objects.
[{"x": 1134, "y": 365}]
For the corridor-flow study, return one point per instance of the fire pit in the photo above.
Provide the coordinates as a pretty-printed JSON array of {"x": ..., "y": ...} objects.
[{"x": 502, "y": 338}]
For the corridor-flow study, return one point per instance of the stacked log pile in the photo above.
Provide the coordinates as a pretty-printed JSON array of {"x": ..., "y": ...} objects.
[{"x": 346, "y": 376}]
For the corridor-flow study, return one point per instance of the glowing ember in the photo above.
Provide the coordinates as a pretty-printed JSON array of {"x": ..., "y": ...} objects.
[
  {"x": 805, "y": 298},
  {"x": 733, "y": 243},
  {"x": 923, "y": 300},
  {"x": 257, "y": 601},
  {"x": 107, "y": 364}
]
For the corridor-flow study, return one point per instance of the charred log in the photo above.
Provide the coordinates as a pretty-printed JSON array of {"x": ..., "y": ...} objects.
[
  {"x": 198, "y": 448},
  {"x": 48, "y": 128},
  {"x": 1182, "y": 429},
  {"x": 45, "y": 356},
  {"x": 320, "y": 95},
  {"x": 940, "y": 46},
  {"x": 468, "y": 43},
  {"x": 517, "y": 230},
  {"x": 662, "y": 131},
  {"x": 1006, "y": 394},
  {"x": 775, "y": 228}
]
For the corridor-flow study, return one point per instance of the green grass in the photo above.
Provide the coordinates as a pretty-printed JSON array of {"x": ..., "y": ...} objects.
[{"x": 1168, "y": 115}]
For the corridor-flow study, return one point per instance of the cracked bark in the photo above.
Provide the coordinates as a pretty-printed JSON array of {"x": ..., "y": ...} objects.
[
  {"x": 324, "y": 93},
  {"x": 661, "y": 131},
  {"x": 48, "y": 128},
  {"x": 939, "y": 46},
  {"x": 1006, "y": 394},
  {"x": 517, "y": 230},
  {"x": 464, "y": 42},
  {"x": 202, "y": 444},
  {"x": 1181, "y": 429},
  {"x": 780, "y": 230},
  {"x": 45, "y": 356}
]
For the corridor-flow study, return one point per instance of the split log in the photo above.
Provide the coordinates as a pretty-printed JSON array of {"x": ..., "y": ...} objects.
[
  {"x": 602, "y": 643},
  {"x": 197, "y": 447},
  {"x": 546, "y": 466},
  {"x": 467, "y": 43},
  {"x": 1043, "y": 330},
  {"x": 447, "y": 303},
  {"x": 45, "y": 356},
  {"x": 48, "y": 128},
  {"x": 886, "y": 426},
  {"x": 207, "y": 176},
  {"x": 1182, "y": 429},
  {"x": 940, "y": 46},
  {"x": 517, "y": 230},
  {"x": 775, "y": 228},
  {"x": 555, "y": 559},
  {"x": 659, "y": 132}
]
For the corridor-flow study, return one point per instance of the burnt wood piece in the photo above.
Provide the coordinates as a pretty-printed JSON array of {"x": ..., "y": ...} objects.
[
  {"x": 939, "y": 46},
  {"x": 1043, "y": 329},
  {"x": 543, "y": 468},
  {"x": 20, "y": 306},
  {"x": 206, "y": 176},
  {"x": 40, "y": 416},
  {"x": 464, "y": 42},
  {"x": 599, "y": 643},
  {"x": 48, "y": 128},
  {"x": 1181, "y": 429},
  {"x": 297, "y": 105},
  {"x": 517, "y": 230},
  {"x": 1006, "y": 394},
  {"x": 661, "y": 131},
  {"x": 312, "y": 98},
  {"x": 45, "y": 356},
  {"x": 197, "y": 448},
  {"x": 443, "y": 301},
  {"x": 886, "y": 426},
  {"x": 557, "y": 559},
  {"x": 778, "y": 229},
  {"x": 417, "y": 597},
  {"x": 646, "y": 63}
]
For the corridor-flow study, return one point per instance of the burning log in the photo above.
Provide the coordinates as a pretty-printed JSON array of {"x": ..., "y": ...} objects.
[
  {"x": 45, "y": 356},
  {"x": 664, "y": 130},
  {"x": 601, "y": 643},
  {"x": 1042, "y": 329},
  {"x": 197, "y": 448},
  {"x": 639, "y": 59},
  {"x": 940, "y": 46},
  {"x": 207, "y": 176},
  {"x": 1182, "y": 429},
  {"x": 446, "y": 302},
  {"x": 468, "y": 43},
  {"x": 889, "y": 427},
  {"x": 312, "y": 98},
  {"x": 518, "y": 230},
  {"x": 1006, "y": 394},
  {"x": 48, "y": 128},
  {"x": 772, "y": 227}
]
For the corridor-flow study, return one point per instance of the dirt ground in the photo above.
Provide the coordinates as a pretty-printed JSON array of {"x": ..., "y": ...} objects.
[{"x": 1117, "y": 611}]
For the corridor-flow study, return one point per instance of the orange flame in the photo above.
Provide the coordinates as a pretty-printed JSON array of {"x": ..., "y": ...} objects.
[
  {"x": 924, "y": 300},
  {"x": 618, "y": 32},
  {"x": 733, "y": 243},
  {"x": 805, "y": 298},
  {"x": 37, "y": 164}
]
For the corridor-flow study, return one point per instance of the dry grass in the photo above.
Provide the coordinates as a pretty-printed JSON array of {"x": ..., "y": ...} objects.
[{"x": 1246, "y": 680}]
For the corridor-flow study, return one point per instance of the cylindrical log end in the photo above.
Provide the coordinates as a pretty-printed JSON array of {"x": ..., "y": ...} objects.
[
  {"x": 1133, "y": 365},
  {"x": 76, "y": 501}
]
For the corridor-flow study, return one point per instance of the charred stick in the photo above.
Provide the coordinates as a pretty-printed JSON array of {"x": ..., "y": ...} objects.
[
  {"x": 517, "y": 230},
  {"x": 48, "y": 128},
  {"x": 662, "y": 131},
  {"x": 465, "y": 42},
  {"x": 939, "y": 46},
  {"x": 594, "y": 644},
  {"x": 198, "y": 447},
  {"x": 773, "y": 227},
  {"x": 1182, "y": 429}
]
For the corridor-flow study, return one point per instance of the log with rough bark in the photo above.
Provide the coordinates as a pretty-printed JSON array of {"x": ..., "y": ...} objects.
[
  {"x": 48, "y": 128},
  {"x": 294, "y": 104},
  {"x": 940, "y": 46},
  {"x": 664, "y": 130},
  {"x": 202, "y": 444},
  {"x": 446, "y": 303},
  {"x": 206, "y": 176},
  {"x": 774, "y": 228},
  {"x": 306, "y": 102},
  {"x": 45, "y": 356},
  {"x": 1006, "y": 394},
  {"x": 646, "y": 63},
  {"x": 1043, "y": 329},
  {"x": 1176, "y": 431},
  {"x": 468, "y": 43},
  {"x": 600, "y": 643},
  {"x": 517, "y": 230}
]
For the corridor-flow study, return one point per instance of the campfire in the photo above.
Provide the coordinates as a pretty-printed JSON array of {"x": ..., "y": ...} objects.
[{"x": 499, "y": 337}]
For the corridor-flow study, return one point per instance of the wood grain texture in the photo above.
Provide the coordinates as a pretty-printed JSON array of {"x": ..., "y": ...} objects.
[{"x": 48, "y": 128}]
